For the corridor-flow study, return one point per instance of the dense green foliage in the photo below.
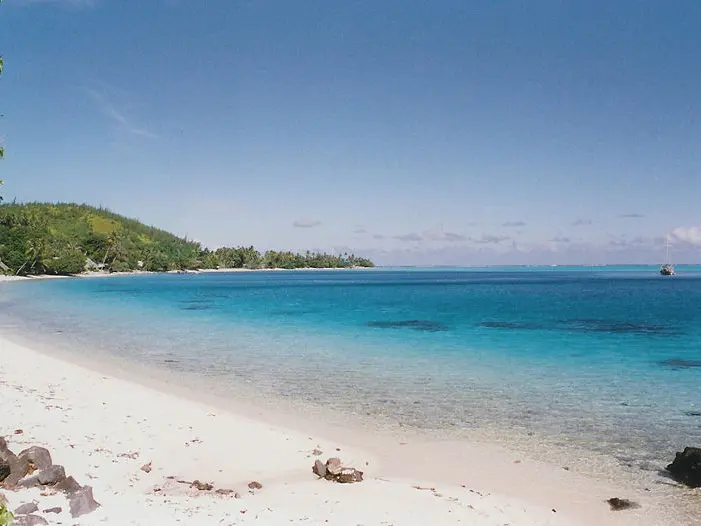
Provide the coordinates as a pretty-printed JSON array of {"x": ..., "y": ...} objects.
[{"x": 42, "y": 238}]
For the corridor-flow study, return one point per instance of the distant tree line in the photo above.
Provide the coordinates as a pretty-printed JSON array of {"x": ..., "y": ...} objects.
[
  {"x": 250, "y": 258},
  {"x": 65, "y": 238}
]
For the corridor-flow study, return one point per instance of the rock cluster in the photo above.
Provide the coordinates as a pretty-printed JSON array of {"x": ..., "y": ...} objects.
[
  {"x": 617, "y": 504},
  {"x": 34, "y": 467},
  {"x": 686, "y": 467},
  {"x": 335, "y": 471}
]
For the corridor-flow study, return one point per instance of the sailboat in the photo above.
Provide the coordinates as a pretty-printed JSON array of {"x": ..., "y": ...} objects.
[{"x": 667, "y": 269}]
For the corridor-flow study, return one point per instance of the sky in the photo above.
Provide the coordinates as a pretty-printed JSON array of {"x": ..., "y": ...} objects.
[{"x": 416, "y": 133}]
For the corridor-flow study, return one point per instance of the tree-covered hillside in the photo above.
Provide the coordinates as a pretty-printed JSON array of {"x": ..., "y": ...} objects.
[{"x": 44, "y": 238}]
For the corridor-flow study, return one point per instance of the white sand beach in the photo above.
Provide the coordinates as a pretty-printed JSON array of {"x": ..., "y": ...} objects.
[
  {"x": 4, "y": 278},
  {"x": 103, "y": 429}
]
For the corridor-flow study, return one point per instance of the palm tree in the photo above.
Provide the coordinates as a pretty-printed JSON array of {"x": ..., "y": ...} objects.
[{"x": 35, "y": 248}]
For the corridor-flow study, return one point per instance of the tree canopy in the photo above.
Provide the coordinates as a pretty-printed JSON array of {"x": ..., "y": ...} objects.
[{"x": 66, "y": 238}]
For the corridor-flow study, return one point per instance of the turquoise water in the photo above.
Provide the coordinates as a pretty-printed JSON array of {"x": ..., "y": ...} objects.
[{"x": 608, "y": 359}]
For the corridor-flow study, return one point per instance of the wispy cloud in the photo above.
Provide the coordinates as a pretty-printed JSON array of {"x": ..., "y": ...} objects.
[
  {"x": 360, "y": 230},
  {"x": 306, "y": 223},
  {"x": 581, "y": 222},
  {"x": 488, "y": 239},
  {"x": 117, "y": 115},
  {"x": 409, "y": 237},
  {"x": 453, "y": 237},
  {"x": 437, "y": 234},
  {"x": 560, "y": 239},
  {"x": 632, "y": 216},
  {"x": 378, "y": 236},
  {"x": 690, "y": 235},
  {"x": 513, "y": 223}
]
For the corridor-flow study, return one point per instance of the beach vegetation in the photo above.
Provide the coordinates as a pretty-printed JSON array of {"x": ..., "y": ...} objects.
[
  {"x": 6, "y": 516},
  {"x": 67, "y": 238}
]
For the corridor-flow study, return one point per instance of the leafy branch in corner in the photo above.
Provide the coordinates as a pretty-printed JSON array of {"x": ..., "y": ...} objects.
[{"x": 6, "y": 517}]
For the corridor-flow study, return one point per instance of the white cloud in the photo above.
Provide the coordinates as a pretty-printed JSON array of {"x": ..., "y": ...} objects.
[{"x": 691, "y": 235}]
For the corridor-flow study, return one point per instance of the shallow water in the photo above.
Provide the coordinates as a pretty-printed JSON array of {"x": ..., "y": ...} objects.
[{"x": 608, "y": 360}]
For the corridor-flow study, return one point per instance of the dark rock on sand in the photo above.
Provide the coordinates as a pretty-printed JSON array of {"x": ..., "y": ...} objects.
[
  {"x": 29, "y": 520},
  {"x": 52, "y": 475},
  {"x": 9, "y": 461},
  {"x": 621, "y": 504},
  {"x": 39, "y": 457},
  {"x": 57, "y": 509},
  {"x": 334, "y": 466},
  {"x": 349, "y": 475},
  {"x": 5, "y": 469},
  {"x": 255, "y": 485},
  {"x": 202, "y": 486},
  {"x": 222, "y": 491},
  {"x": 68, "y": 485},
  {"x": 319, "y": 469},
  {"x": 82, "y": 502},
  {"x": 686, "y": 467},
  {"x": 46, "y": 477},
  {"x": 27, "y": 508},
  {"x": 334, "y": 471}
]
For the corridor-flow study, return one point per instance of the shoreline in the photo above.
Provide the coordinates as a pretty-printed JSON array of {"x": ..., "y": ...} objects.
[
  {"x": 9, "y": 278},
  {"x": 530, "y": 489}
]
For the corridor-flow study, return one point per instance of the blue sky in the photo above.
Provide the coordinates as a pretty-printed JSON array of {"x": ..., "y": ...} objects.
[{"x": 441, "y": 132}]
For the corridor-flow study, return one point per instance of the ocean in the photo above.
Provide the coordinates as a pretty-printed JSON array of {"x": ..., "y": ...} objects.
[{"x": 603, "y": 360}]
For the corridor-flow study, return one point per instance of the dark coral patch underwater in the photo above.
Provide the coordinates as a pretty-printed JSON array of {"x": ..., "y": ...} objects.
[
  {"x": 415, "y": 325},
  {"x": 680, "y": 363},
  {"x": 585, "y": 325}
]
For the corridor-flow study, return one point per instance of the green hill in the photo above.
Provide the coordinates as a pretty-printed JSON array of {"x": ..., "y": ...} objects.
[{"x": 45, "y": 238}]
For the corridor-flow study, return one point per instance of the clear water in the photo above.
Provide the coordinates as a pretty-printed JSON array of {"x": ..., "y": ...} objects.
[{"x": 605, "y": 359}]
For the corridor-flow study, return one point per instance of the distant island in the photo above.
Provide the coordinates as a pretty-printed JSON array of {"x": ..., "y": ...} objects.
[{"x": 67, "y": 238}]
